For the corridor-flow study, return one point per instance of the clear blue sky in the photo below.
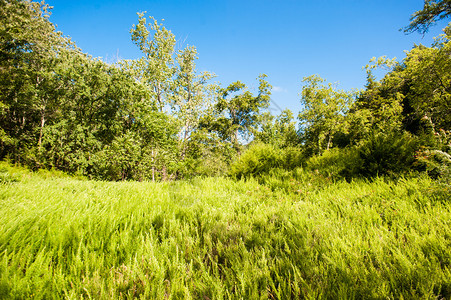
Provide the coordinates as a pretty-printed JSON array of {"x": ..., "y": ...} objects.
[{"x": 238, "y": 40}]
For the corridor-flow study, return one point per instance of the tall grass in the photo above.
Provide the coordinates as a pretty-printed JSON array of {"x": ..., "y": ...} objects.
[{"x": 216, "y": 238}]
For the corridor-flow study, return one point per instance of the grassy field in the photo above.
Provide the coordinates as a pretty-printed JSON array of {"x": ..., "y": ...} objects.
[{"x": 215, "y": 238}]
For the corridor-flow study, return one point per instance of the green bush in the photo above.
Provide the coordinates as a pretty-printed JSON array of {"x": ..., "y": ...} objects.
[
  {"x": 336, "y": 163},
  {"x": 262, "y": 158},
  {"x": 291, "y": 157},
  {"x": 387, "y": 154},
  {"x": 437, "y": 164},
  {"x": 259, "y": 158},
  {"x": 382, "y": 154},
  {"x": 434, "y": 156}
]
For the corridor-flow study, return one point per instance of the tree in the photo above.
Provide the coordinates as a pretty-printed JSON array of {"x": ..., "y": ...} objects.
[
  {"x": 235, "y": 117},
  {"x": 278, "y": 131},
  {"x": 425, "y": 80},
  {"x": 30, "y": 50},
  {"x": 190, "y": 97},
  {"x": 96, "y": 104},
  {"x": 156, "y": 66},
  {"x": 323, "y": 113},
  {"x": 433, "y": 10},
  {"x": 415, "y": 95},
  {"x": 379, "y": 107}
]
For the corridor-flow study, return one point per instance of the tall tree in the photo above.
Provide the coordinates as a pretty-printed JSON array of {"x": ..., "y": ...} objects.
[
  {"x": 379, "y": 107},
  {"x": 191, "y": 95},
  {"x": 30, "y": 49},
  {"x": 323, "y": 113},
  {"x": 425, "y": 80},
  {"x": 278, "y": 131},
  {"x": 414, "y": 95},
  {"x": 157, "y": 64},
  {"x": 235, "y": 115}
]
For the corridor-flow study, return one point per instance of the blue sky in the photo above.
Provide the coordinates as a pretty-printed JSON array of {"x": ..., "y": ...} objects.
[{"x": 238, "y": 40}]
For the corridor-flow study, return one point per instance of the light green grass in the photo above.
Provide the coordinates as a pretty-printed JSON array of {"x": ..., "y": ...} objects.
[{"x": 216, "y": 238}]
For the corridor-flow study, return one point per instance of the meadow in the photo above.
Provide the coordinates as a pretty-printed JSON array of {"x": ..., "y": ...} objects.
[{"x": 216, "y": 238}]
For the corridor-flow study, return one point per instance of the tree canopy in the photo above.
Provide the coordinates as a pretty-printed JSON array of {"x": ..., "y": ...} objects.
[{"x": 433, "y": 10}]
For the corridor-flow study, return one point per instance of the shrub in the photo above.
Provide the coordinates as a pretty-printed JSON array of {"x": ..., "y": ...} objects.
[
  {"x": 291, "y": 157},
  {"x": 387, "y": 153},
  {"x": 336, "y": 163},
  {"x": 259, "y": 158},
  {"x": 262, "y": 158}
]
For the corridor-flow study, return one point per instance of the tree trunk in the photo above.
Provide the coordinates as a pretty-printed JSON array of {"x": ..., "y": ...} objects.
[
  {"x": 42, "y": 128},
  {"x": 185, "y": 137},
  {"x": 153, "y": 165},
  {"x": 165, "y": 173},
  {"x": 329, "y": 141}
]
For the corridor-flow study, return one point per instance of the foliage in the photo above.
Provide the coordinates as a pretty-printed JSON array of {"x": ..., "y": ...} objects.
[
  {"x": 337, "y": 163},
  {"x": 377, "y": 108},
  {"x": 158, "y": 118},
  {"x": 427, "y": 76},
  {"x": 63, "y": 109},
  {"x": 278, "y": 131},
  {"x": 437, "y": 163},
  {"x": 191, "y": 97},
  {"x": 286, "y": 225},
  {"x": 212, "y": 155},
  {"x": 30, "y": 50},
  {"x": 393, "y": 153},
  {"x": 436, "y": 159},
  {"x": 387, "y": 153},
  {"x": 156, "y": 66},
  {"x": 433, "y": 10},
  {"x": 323, "y": 113},
  {"x": 398, "y": 100},
  {"x": 236, "y": 117},
  {"x": 259, "y": 158}
]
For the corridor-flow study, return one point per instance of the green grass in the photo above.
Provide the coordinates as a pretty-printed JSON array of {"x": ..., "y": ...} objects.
[{"x": 216, "y": 238}]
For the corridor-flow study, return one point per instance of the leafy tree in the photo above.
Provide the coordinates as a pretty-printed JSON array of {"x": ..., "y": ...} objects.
[
  {"x": 379, "y": 107},
  {"x": 323, "y": 113},
  {"x": 190, "y": 95},
  {"x": 414, "y": 95},
  {"x": 433, "y": 10},
  {"x": 30, "y": 49},
  {"x": 426, "y": 83},
  {"x": 140, "y": 152},
  {"x": 278, "y": 131},
  {"x": 98, "y": 103},
  {"x": 236, "y": 116},
  {"x": 157, "y": 64}
]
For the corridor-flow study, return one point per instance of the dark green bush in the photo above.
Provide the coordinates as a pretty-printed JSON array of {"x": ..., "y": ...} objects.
[
  {"x": 382, "y": 154},
  {"x": 387, "y": 154},
  {"x": 291, "y": 157}
]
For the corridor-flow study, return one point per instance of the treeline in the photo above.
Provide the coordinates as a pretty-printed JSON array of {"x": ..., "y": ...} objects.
[
  {"x": 151, "y": 118},
  {"x": 158, "y": 118}
]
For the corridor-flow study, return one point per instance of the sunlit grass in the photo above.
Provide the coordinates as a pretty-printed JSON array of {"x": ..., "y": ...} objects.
[{"x": 216, "y": 238}]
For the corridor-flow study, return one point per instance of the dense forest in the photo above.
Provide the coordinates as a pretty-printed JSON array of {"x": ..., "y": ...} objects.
[{"x": 158, "y": 118}]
